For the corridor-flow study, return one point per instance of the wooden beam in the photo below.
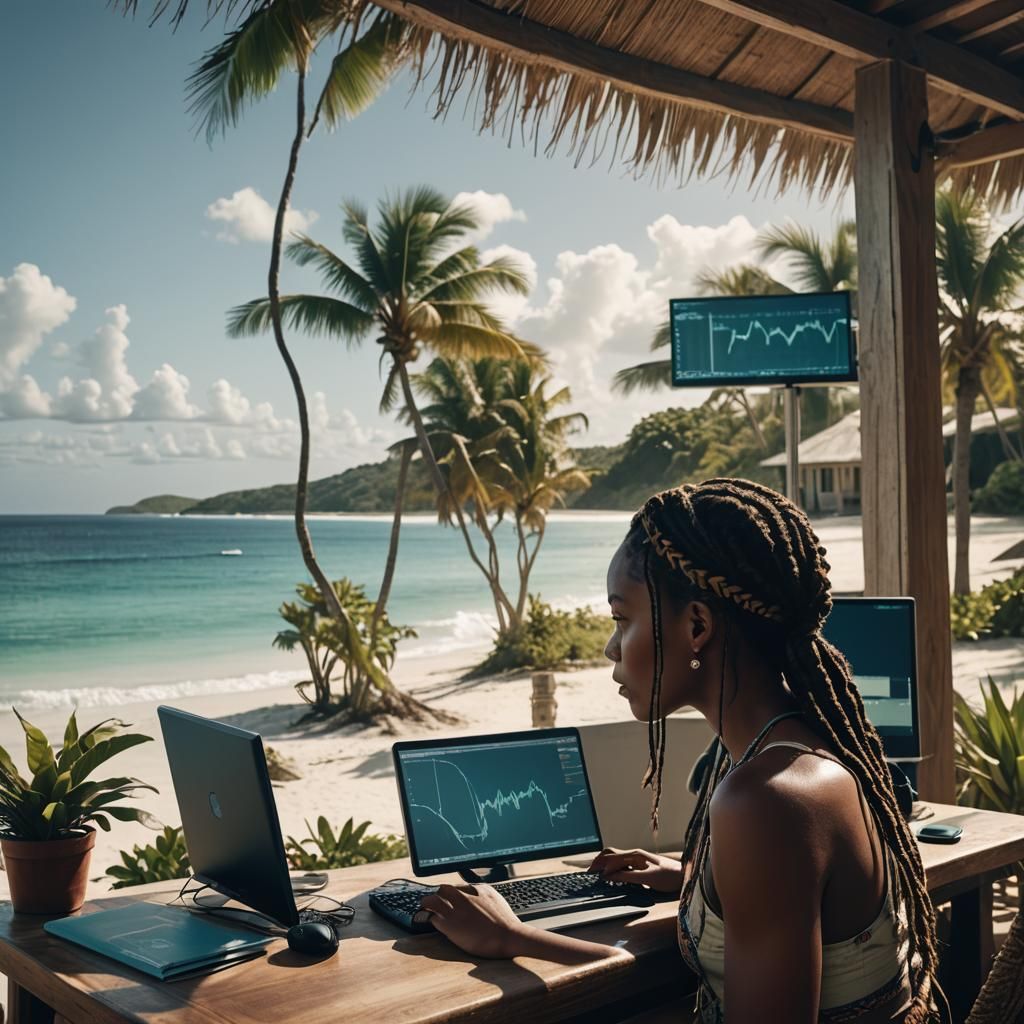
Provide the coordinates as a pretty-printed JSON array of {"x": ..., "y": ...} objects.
[
  {"x": 947, "y": 12},
  {"x": 1013, "y": 51},
  {"x": 993, "y": 26},
  {"x": 878, "y": 6},
  {"x": 858, "y": 35},
  {"x": 902, "y": 474},
  {"x": 990, "y": 144},
  {"x": 532, "y": 43}
]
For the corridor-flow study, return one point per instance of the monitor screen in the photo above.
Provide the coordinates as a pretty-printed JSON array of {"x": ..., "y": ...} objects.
[
  {"x": 877, "y": 636},
  {"x": 762, "y": 339},
  {"x": 485, "y": 800}
]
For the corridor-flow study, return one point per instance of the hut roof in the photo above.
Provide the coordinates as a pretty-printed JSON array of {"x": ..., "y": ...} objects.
[
  {"x": 839, "y": 445},
  {"x": 758, "y": 89}
]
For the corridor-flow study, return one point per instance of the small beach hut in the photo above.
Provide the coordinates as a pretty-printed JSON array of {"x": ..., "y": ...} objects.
[{"x": 886, "y": 95}]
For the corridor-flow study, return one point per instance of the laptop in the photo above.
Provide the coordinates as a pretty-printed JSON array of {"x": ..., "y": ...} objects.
[
  {"x": 878, "y": 636},
  {"x": 228, "y": 814},
  {"x": 478, "y": 805}
]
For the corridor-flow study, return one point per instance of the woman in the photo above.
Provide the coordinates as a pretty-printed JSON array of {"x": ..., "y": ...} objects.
[{"x": 813, "y": 883}]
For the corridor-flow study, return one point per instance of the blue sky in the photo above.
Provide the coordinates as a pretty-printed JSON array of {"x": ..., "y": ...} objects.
[{"x": 124, "y": 239}]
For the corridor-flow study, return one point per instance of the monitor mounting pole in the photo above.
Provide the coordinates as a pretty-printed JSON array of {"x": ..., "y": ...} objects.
[
  {"x": 498, "y": 873},
  {"x": 791, "y": 398}
]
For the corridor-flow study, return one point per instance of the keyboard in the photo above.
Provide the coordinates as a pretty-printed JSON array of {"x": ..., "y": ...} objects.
[{"x": 529, "y": 898}]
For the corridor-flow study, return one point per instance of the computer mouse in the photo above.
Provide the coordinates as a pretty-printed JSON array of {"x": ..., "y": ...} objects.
[{"x": 314, "y": 938}]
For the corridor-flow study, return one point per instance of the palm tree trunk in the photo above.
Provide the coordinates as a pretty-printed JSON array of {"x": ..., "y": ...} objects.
[
  {"x": 1004, "y": 438},
  {"x": 755, "y": 426},
  {"x": 396, "y": 526},
  {"x": 967, "y": 390},
  {"x": 274, "y": 294},
  {"x": 502, "y": 605}
]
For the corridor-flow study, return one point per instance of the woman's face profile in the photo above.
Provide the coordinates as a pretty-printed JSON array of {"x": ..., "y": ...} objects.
[{"x": 631, "y": 645}]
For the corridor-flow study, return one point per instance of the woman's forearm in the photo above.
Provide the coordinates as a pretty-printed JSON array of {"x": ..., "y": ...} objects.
[{"x": 561, "y": 949}]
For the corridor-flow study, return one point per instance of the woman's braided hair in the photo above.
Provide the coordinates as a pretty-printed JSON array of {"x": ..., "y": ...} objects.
[{"x": 751, "y": 555}]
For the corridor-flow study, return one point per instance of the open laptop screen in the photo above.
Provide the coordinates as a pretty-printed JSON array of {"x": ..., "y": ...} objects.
[
  {"x": 877, "y": 636},
  {"x": 485, "y": 800}
]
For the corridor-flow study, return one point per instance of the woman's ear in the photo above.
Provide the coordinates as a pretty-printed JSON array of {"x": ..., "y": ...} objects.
[{"x": 700, "y": 625}]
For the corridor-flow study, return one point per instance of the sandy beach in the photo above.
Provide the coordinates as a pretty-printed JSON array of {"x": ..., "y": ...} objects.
[{"x": 346, "y": 772}]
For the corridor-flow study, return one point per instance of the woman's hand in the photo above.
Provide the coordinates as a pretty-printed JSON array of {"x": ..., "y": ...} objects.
[
  {"x": 662, "y": 874},
  {"x": 477, "y": 919}
]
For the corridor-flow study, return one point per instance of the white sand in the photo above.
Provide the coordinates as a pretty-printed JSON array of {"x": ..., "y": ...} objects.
[{"x": 347, "y": 772}]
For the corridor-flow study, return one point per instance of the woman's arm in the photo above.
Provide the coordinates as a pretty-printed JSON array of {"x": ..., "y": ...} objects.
[{"x": 769, "y": 867}]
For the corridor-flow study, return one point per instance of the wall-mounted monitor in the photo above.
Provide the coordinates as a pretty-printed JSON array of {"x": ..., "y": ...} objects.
[{"x": 762, "y": 339}]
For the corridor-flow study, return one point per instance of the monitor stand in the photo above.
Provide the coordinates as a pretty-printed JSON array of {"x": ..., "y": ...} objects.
[{"x": 498, "y": 873}]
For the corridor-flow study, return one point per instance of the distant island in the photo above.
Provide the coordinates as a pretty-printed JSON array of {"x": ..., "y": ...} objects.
[{"x": 371, "y": 488}]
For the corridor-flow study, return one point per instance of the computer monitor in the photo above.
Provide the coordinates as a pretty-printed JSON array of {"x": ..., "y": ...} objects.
[
  {"x": 228, "y": 812},
  {"x": 878, "y": 637},
  {"x": 762, "y": 339},
  {"x": 482, "y": 801}
]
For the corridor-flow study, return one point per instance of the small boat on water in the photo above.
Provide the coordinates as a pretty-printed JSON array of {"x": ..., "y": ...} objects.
[{"x": 232, "y": 551}]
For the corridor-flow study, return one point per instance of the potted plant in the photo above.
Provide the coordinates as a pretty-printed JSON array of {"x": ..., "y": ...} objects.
[{"x": 46, "y": 832}]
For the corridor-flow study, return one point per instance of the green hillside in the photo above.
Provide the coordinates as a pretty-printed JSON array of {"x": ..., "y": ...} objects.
[{"x": 162, "y": 504}]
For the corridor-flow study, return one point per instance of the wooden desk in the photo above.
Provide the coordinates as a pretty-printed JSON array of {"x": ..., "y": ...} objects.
[{"x": 380, "y": 975}]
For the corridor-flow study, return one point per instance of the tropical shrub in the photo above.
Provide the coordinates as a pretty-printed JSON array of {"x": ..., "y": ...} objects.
[
  {"x": 279, "y": 767},
  {"x": 548, "y": 639},
  {"x": 348, "y": 646},
  {"x": 160, "y": 861},
  {"x": 58, "y": 799},
  {"x": 1003, "y": 493},
  {"x": 352, "y": 845},
  {"x": 997, "y": 610}
]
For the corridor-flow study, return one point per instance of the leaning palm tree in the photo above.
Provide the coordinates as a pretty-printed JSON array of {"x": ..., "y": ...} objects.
[
  {"x": 980, "y": 278},
  {"x": 415, "y": 286},
  {"x": 276, "y": 37}
]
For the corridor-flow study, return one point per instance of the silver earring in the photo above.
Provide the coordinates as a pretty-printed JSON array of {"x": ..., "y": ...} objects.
[{"x": 695, "y": 663}]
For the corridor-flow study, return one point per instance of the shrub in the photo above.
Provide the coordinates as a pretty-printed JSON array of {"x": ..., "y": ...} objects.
[
  {"x": 167, "y": 859},
  {"x": 548, "y": 639},
  {"x": 1003, "y": 493},
  {"x": 351, "y": 846},
  {"x": 996, "y": 610},
  {"x": 989, "y": 751}
]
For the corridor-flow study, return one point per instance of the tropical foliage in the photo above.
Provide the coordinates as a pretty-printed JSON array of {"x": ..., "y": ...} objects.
[
  {"x": 997, "y": 610},
  {"x": 548, "y": 638},
  {"x": 1003, "y": 492},
  {"x": 322, "y": 849},
  {"x": 342, "y": 646},
  {"x": 160, "y": 861},
  {"x": 58, "y": 798},
  {"x": 502, "y": 443},
  {"x": 979, "y": 280},
  {"x": 989, "y": 751}
]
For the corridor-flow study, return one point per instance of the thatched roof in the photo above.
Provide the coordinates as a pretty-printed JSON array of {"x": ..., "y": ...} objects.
[{"x": 761, "y": 90}]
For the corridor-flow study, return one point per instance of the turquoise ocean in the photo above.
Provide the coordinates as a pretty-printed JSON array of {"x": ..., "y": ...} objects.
[{"x": 106, "y": 610}]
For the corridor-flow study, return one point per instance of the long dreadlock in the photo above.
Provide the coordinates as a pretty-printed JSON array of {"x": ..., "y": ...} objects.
[{"x": 751, "y": 555}]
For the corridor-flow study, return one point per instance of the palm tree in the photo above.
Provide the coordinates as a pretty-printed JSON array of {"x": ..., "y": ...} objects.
[
  {"x": 413, "y": 284},
  {"x": 247, "y": 64},
  {"x": 979, "y": 280},
  {"x": 497, "y": 431}
]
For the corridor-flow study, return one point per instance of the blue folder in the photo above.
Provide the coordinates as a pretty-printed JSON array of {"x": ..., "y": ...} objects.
[{"x": 165, "y": 942}]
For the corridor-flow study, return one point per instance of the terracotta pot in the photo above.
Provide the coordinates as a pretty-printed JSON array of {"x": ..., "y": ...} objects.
[{"x": 48, "y": 876}]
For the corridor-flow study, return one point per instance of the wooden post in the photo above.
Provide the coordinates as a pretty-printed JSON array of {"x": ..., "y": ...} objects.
[
  {"x": 902, "y": 481},
  {"x": 791, "y": 404},
  {"x": 542, "y": 701}
]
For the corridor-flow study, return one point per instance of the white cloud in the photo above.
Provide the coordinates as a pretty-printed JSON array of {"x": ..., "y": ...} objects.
[
  {"x": 227, "y": 404},
  {"x": 108, "y": 392},
  {"x": 165, "y": 397},
  {"x": 60, "y": 350},
  {"x": 248, "y": 217},
  {"x": 491, "y": 208},
  {"x": 31, "y": 306},
  {"x": 25, "y": 400},
  {"x": 684, "y": 250}
]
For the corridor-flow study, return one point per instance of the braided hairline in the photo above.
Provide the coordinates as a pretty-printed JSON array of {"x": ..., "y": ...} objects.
[{"x": 702, "y": 579}]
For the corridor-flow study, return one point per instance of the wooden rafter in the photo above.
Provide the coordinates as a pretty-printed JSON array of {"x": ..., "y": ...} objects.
[
  {"x": 850, "y": 32},
  {"x": 878, "y": 6},
  {"x": 1013, "y": 51},
  {"x": 946, "y": 12},
  {"x": 531, "y": 43},
  {"x": 1000, "y": 143},
  {"x": 993, "y": 26}
]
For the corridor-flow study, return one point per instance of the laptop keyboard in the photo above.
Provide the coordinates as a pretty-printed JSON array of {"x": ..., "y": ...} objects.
[{"x": 529, "y": 898}]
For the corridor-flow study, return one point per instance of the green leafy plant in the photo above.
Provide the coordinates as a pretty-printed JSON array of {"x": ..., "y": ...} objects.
[
  {"x": 997, "y": 610},
  {"x": 548, "y": 639},
  {"x": 58, "y": 799},
  {"x": 161, "y": 861},
  {"x": 1003, "y": 493},
  {"x": 352, "y": 845},
  {"x": 989, "y": 751}
]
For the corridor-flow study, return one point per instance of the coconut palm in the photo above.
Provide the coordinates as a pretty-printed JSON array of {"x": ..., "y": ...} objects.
[
  {"x": 497, "y": 430},
  {"x": 980, "y": 278},
  {"x": 415, "y": 286}
]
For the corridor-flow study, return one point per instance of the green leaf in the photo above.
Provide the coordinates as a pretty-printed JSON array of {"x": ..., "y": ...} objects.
[
  {"x": 134, "y": 814},
  {"x": 45, "y": 780},
  {"x": 40, "y": 753},
  {"x": 100, "y": 820},
  {"x": 71, "y": 733},
  {"x": 7, "y": 767},
  {"x": 61, "y": 786},
  {"x": 103, "y": 750}
]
